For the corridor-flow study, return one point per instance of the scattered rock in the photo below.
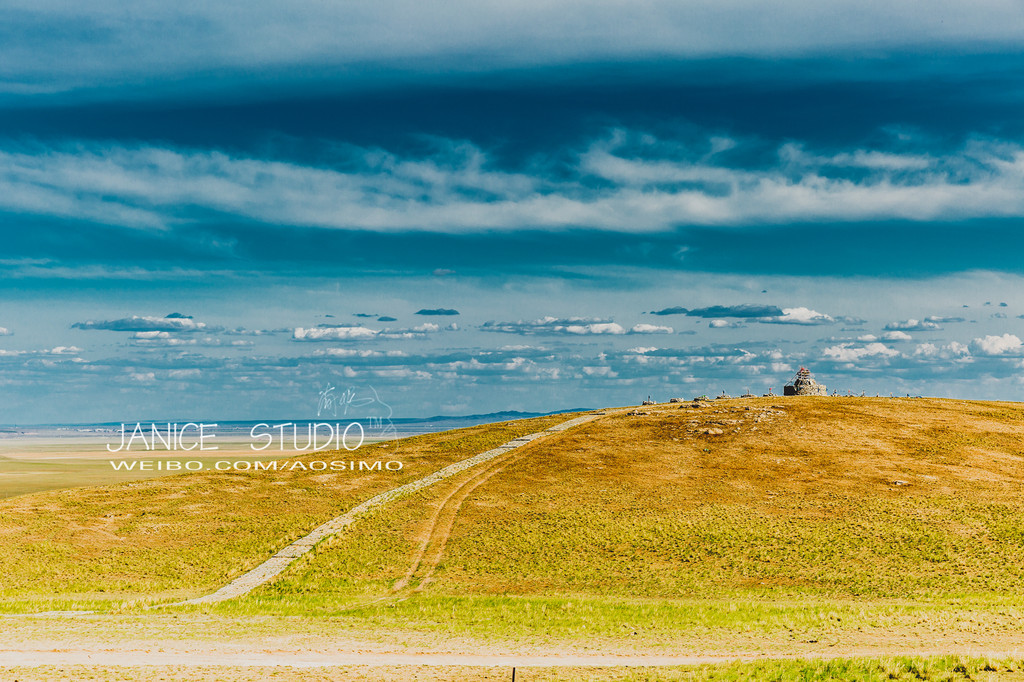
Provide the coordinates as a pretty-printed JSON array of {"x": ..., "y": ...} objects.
[
  {"x": 899, "y": 482},
  {"x": 712, "y": 432}
]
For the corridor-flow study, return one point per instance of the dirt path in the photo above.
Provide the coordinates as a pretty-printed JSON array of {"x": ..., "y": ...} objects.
[
  {"x": 280, "y": 561},
  {"x": 443, "y": 530},
  {"x": 439, "y": 528},
  {"x": 310, "y": 659},
  {"x": 105, "y": 655},
  {"x": 435, "y": 536}
]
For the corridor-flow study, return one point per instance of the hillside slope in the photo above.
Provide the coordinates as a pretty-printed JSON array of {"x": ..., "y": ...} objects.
[
  {"x": 890, "y": 499},
  {"x": 185, "y": 535}
]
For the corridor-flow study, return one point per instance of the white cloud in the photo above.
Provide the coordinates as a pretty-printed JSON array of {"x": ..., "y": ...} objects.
[
  {"x": 952, "y": 350},
  {"x": 333, "y": 333},
  {"x": 4, "y": 331},
  {"x": 65, "y": 350},
  {"x": 167, "y": 340},
  {"x": 241, "y": 331},
  {"x": 801, "y": 316},
  {"x": 357, "y": 353},
  {"x": 576, "y": 326},
  {"x": 56, "y": 350},
  {"x": 997, "y": 345},
  {"x": 650, "y": 329},
  {"x": 402, "y": 373},
  {"x": 879, "y": 160},
  {"x": 145, "y": 324},
  {"x": 913, "y": 325},
  {"x": 595, "y": 328},
  {"x": 849, "y": 353},
  {"x": 896, "y": 336}
]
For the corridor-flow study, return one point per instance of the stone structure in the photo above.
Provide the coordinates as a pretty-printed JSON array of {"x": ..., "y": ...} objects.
[{"x": 804, "y": 384}]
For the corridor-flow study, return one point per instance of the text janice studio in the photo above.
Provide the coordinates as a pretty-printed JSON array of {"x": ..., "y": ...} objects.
[{"x": 310, "y": 436}]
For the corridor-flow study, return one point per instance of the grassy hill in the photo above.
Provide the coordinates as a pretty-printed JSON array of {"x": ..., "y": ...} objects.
[
  {"x": 844, "y": 497},
  {"x": 185, "y": 535},
  {"x": 802, "y": 515},
  {"x": 785, "y": 521}
]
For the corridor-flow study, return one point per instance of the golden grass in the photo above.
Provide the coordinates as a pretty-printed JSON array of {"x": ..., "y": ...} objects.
[
  {"x": 777, "y": 522},
  {"x": 789, "y": 521},
  {"x": 802, "y": 499},
  {"x": 187, "y": 534}
]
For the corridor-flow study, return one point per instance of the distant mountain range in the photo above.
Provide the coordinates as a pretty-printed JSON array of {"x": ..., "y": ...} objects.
[
  {"x": 491, "y": 416},
  {"x": 13, "y": 429}
]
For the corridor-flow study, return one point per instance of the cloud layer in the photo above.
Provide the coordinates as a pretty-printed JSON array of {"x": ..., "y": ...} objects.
[
  {"x": 48, "y": 45},
  {"x": 625, "y": 182},
  {"x": 145, "y": 323}
]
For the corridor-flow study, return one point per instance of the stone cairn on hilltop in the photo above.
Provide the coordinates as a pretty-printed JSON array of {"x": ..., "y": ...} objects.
[{"x": 804, "y": 384}]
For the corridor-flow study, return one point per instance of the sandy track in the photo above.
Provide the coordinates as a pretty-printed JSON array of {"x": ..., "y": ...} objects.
[
  {"x": 307, "y": 659},
  {"x": 105, "y": 655}
]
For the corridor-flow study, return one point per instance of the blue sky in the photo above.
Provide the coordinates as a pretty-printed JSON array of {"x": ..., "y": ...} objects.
[{"x": 213, "y": 212}]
